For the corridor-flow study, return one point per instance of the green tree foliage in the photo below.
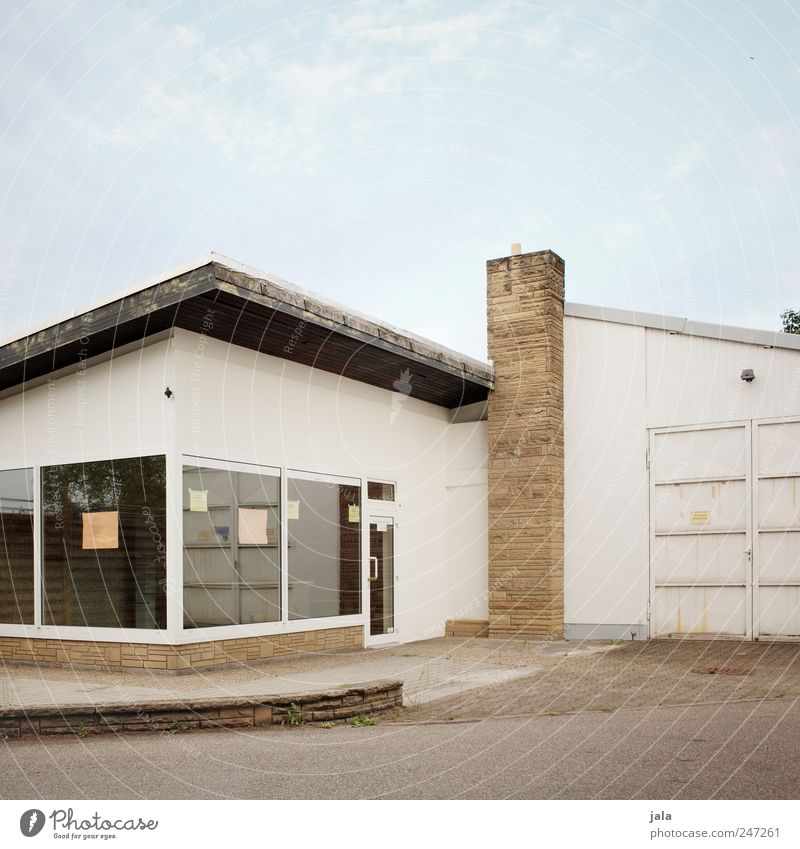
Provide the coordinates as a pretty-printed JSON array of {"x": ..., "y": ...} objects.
[{"x": 791, "y": 321}]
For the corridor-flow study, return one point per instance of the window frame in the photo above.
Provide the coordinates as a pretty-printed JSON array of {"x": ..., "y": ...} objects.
[
  {"x": 377, "y": 501},
  {"x": 284, "y": 625},
  {"x": 175, "y": 634},
  {"x": 159, "y": 636},
  {"x": 243, "y": 468},
  {"x": 34, "y": 530}
]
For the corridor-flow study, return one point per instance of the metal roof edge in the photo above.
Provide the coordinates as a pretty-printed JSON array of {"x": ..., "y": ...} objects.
[
  {"x": 118, "y": 295},
  {"x": 380, "y": 329},
  {"x": 471, "y": 367},
  {"x": 683, "y": 326}
]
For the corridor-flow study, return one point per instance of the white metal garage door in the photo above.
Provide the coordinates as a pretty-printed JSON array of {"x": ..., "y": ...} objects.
[
  {"x": 700, "y": 565},
  {"x": 776, "y": 508},
  {"x": 713, "y": 490}
]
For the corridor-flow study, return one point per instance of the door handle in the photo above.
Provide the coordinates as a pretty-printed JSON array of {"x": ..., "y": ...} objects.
[{"x": 373, "y": 568}]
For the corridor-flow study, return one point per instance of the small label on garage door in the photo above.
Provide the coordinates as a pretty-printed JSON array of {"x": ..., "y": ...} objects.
[{"x": 700, "y": 517}]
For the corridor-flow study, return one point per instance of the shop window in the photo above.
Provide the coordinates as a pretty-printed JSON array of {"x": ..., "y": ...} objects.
[
  {"x": 104, "y": 540},
  {"x": 377, "y": 491},
  {"x": 231, "y": 539},
  {"x": 324, "y": 535},
  {"x": 16, "y": 553}
]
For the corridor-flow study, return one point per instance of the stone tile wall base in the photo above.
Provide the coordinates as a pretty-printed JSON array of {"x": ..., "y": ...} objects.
[
  {"x": 466, "y": 628},
  {"x": 81, "y": 653}
]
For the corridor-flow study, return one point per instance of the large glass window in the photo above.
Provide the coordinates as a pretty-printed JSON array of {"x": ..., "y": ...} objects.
[
  {"x": 16, "y": 553},
  {"x": 104, "y": 542},
  {"x": 324, "y": 528},
  {"x": 231, "y": 538}
]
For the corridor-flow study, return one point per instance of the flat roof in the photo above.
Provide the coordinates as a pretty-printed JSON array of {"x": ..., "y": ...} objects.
[
  {"x": 267, "y": 314},
  {"x": 240, "y": 305},
  {"x": 685, "y": 327}
]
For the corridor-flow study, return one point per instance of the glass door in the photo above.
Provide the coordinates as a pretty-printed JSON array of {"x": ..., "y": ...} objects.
[{"x": 381, "y": 579}]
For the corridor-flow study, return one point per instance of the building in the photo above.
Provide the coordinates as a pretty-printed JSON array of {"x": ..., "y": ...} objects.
[{"x": 218, "y": 466}]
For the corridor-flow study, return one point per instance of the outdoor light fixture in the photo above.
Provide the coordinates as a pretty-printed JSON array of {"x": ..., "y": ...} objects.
[{"x": 748, "y": 375}]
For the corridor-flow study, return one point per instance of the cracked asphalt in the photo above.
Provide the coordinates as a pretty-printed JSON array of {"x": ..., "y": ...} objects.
[
  {"x": 658, "y": 720},
  {"x": 741, "y": 750}
]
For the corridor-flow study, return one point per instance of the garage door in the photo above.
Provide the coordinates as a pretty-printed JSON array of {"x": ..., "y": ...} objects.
[
  {"x": 701, "y": 569},
  {"x": 725, "y": 530},
  {"x": 776, "y": 508}
]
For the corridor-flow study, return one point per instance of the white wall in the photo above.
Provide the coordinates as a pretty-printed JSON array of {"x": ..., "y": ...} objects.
[
  {"x": 621, "y": 380},
  {"x": 605, "y": 486},
  {"x": 692, "y": 380},
  {"x": 467, "y": 521},
  {"x": 236, "y": 404},
  {"x": 107, "y": 410},
  {"x": 113, "y": 409},
  {"x": 231, "y": 403}
]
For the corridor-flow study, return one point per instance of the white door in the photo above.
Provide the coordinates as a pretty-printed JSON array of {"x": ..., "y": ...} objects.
[
  {"x": 381, "y": 580},
  {"x": 776, "y": 510},
  {"x": 700, "y": 532}
]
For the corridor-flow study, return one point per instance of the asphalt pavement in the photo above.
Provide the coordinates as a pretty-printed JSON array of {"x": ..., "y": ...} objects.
[{"x": 745, "y": 749}]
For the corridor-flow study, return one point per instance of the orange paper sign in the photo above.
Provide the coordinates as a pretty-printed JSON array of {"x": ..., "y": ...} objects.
[{"x": 101, "y": 530}]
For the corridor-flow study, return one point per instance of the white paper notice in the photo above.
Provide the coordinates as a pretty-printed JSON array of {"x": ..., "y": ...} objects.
[
  {"x": 292, "y": 509},
  {"x": 253, "y": 526},
  {"x": 198, "y": 500}
]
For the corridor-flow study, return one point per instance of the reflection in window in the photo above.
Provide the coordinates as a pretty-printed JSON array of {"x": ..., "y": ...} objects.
[
  {"x": 231, "y": 539},
  {"x": 324, "y": 527},
  {"x": 104, "y": 542},
  {"x": 377, "y": 491},
  {"x": 16, "y": 554}
]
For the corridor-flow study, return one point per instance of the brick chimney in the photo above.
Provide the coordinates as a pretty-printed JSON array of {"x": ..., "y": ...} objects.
[{"x": 526, "y": 445}]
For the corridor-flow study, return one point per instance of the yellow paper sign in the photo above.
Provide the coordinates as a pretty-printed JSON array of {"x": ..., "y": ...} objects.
[
  {"x": 292, "y": 509},
  {"x": 354, "y": 513},
  {"x": 700, "y": 517},
  {"x": 198, "y": 500},
  {"x": 101, "y": 530}
]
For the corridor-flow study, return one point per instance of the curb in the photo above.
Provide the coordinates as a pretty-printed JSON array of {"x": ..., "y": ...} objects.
[{"x": 175, "y": 716}]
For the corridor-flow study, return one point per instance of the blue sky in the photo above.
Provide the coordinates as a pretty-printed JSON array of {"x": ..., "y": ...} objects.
[{"x": 379, "y": 152}]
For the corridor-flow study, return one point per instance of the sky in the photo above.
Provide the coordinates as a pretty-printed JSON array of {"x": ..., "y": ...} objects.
[{"x": 379, "y": 153}]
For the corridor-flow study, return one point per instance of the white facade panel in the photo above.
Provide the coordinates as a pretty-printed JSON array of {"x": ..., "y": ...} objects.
[
  {"x": 779, "y": 448},
  {"x": 719, "y": 505},
  {"x": 700, "y": 611},
  {"x": 467, "y": 522},
  {"x": 699, "y": 558},
  {"x": 721, "y": 552},
  {"x": 693, "y": 380},
  {"x": 605, "y": 488},
  {"x": 113, "y": 409},
  {"x": 716, "y": 453}
]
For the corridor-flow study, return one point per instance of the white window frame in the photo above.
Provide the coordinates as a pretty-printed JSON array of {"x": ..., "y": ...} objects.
[
  {"x": 175, "y": 633},
  {"x": 84, "y": 633},
  {"x": 376, "y": 502},
  {"x": 285, "y": 625}
]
